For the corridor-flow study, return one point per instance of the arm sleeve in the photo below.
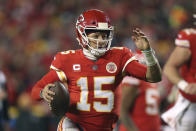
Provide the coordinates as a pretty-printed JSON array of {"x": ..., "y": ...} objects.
[
  {"x": 128, "y": 80},
  {"x": 132, "y": 66},
  {"x": 137, "y": 70},
  {"x": 56, "y": 74},
  {"x": 183, "y": 37},
  {"x": 58, "y": 68},
  {"x": 50, "y": 77}
]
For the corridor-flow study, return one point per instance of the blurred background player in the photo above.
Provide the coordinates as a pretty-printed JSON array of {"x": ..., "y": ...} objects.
[
  {"x": 94, "y": 72},
  {"x": 3, "y": 103},
  {"x": 183, "y": 114},
  {"x": 139, "y": 104},
  {"x": 168, "y": 95}
]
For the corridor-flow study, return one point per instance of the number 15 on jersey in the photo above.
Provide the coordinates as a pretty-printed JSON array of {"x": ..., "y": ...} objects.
[{"x": 83, "y": 105}]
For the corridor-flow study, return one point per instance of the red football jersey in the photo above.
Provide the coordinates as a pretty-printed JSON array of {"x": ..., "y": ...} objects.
[
  {"x": 187, "y": 38},
  {"x": 92, "y": 84},
  {"x": 145, "y": 111}
]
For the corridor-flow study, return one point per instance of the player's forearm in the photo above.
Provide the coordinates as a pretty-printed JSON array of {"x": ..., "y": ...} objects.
[
  {"x": 35, "y": 93},
  {"x": 153, "y": 73},
  {"x": 129, "y": 93},
  {"x": 127, "y": 122},
  {"x": 172, "y": 74}
]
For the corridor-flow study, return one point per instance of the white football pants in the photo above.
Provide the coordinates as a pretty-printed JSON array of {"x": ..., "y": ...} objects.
[
  {"x": 187, "y": 121},
  {"x": 66, "y": 124}
]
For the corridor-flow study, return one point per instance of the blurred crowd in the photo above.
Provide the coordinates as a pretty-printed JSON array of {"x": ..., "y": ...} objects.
[{"x": 33, "y": 31}]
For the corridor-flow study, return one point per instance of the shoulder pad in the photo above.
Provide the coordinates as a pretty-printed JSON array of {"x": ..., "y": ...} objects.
[
  {"x": 117, "y": 48},
  {"x": 121, "y": 48},
  {"x": 67, "y": 52},
  {"x": 189, "y": 31}
]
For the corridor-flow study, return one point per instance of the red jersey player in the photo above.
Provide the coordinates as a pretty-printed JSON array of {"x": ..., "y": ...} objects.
[
  {"x": 184, "y": 55},
  {"x": 139, "y": 104},
  {"x": 93, "y": 73}
]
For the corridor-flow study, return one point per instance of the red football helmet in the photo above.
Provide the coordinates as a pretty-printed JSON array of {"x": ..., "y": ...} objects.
[{"x": 94, "y": 20}]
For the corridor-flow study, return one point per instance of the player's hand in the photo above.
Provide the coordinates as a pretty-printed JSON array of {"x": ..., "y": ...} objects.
[
  {"x": 140, "y": 39},
  {"x": 190, "y": 89},
  {"x": 47, "y": 93}
]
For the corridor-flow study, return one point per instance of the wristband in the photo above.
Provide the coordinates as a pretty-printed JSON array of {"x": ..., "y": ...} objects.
[
  {"x": 182, "y": 84},
  {"x": 40, "y": 94},
  {"x": 150, "y": 57}
]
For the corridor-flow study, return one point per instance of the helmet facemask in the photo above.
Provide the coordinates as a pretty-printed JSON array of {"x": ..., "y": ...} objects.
[
  {"x": 97, "y": 46},
  {"x": 101, "y": 46},
  {"x": 94, "y": 21}
]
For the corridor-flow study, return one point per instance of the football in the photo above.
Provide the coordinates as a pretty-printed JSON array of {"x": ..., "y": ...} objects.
[{"x": 60, "y": 103}]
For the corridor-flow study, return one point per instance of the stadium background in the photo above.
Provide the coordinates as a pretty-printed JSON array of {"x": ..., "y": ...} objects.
[{"x": 33, "y": 31}]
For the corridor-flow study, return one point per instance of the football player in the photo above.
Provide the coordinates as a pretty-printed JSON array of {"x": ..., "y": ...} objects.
[
  {"x": 139, "y": 104},
  {"x": 93, "y": 73},
  {"x": 183, "y": 114}
]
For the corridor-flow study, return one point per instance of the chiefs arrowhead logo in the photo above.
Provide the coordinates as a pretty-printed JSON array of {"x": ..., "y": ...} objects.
[{"x": 111, "y": 67}]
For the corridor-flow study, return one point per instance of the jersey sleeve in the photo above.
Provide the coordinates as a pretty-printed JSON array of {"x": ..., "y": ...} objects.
[
  {"x": 183, "y": 38},
  {"x": 130, "y": 81},
  {"x": 132, "y": 66},
  {"x": 56, "y": 65},
  {"x": 50, "y": 77},
  {"x": 56, "y": 73}
]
